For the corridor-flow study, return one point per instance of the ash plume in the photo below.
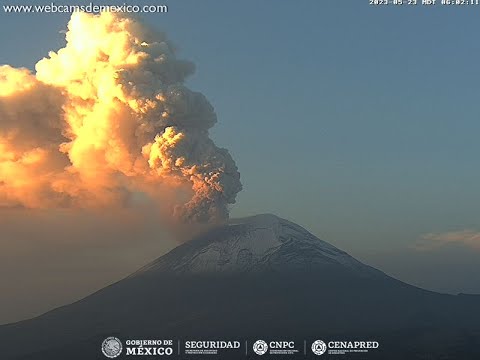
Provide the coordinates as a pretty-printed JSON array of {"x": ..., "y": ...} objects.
[{"x": 106, "y": 120}]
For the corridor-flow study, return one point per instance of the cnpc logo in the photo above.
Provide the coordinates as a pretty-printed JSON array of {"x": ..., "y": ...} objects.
[{"x": 261, "y": 347}]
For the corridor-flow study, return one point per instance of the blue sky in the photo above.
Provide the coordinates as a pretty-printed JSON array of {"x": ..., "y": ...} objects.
[{"x": 358, "y": 122}]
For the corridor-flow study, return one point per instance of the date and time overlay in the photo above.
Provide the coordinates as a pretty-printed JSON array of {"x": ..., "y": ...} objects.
[{"x": 425, "y": 3}]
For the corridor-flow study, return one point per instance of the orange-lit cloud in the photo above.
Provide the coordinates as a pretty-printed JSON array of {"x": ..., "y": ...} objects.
[
  {"x": 106, "y": 121},
  {"x": 468, "y": 238}
]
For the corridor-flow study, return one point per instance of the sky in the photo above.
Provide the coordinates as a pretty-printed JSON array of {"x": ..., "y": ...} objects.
[{"x": 358, "y": 122}]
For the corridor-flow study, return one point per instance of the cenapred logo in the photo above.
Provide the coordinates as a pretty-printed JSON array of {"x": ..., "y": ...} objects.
[
  {"x": 260, "y": 347},
  {"x": 111, "y": 347},
  {"x": 319, "y": 347}
]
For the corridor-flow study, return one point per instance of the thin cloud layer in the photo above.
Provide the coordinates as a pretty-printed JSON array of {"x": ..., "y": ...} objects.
[{"x": 469, "y": 238}]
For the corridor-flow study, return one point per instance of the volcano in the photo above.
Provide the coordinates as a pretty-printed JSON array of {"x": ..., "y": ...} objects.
[{"x": 256, "y": 277}]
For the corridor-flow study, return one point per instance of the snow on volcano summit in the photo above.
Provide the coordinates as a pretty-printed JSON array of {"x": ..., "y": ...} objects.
[{"x": 258, "y": 243}]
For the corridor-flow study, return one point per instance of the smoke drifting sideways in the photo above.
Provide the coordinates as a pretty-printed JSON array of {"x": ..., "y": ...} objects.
[{"x": 107, "y": 121}]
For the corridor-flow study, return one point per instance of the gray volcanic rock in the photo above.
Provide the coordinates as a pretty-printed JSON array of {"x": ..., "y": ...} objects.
[
  {"x": 255, "y": 244},
  {"x": 256, "y": 277}
]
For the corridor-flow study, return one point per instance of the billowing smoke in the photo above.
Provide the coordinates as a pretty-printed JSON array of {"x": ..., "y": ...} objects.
[{"x": 107, "y": 121}]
